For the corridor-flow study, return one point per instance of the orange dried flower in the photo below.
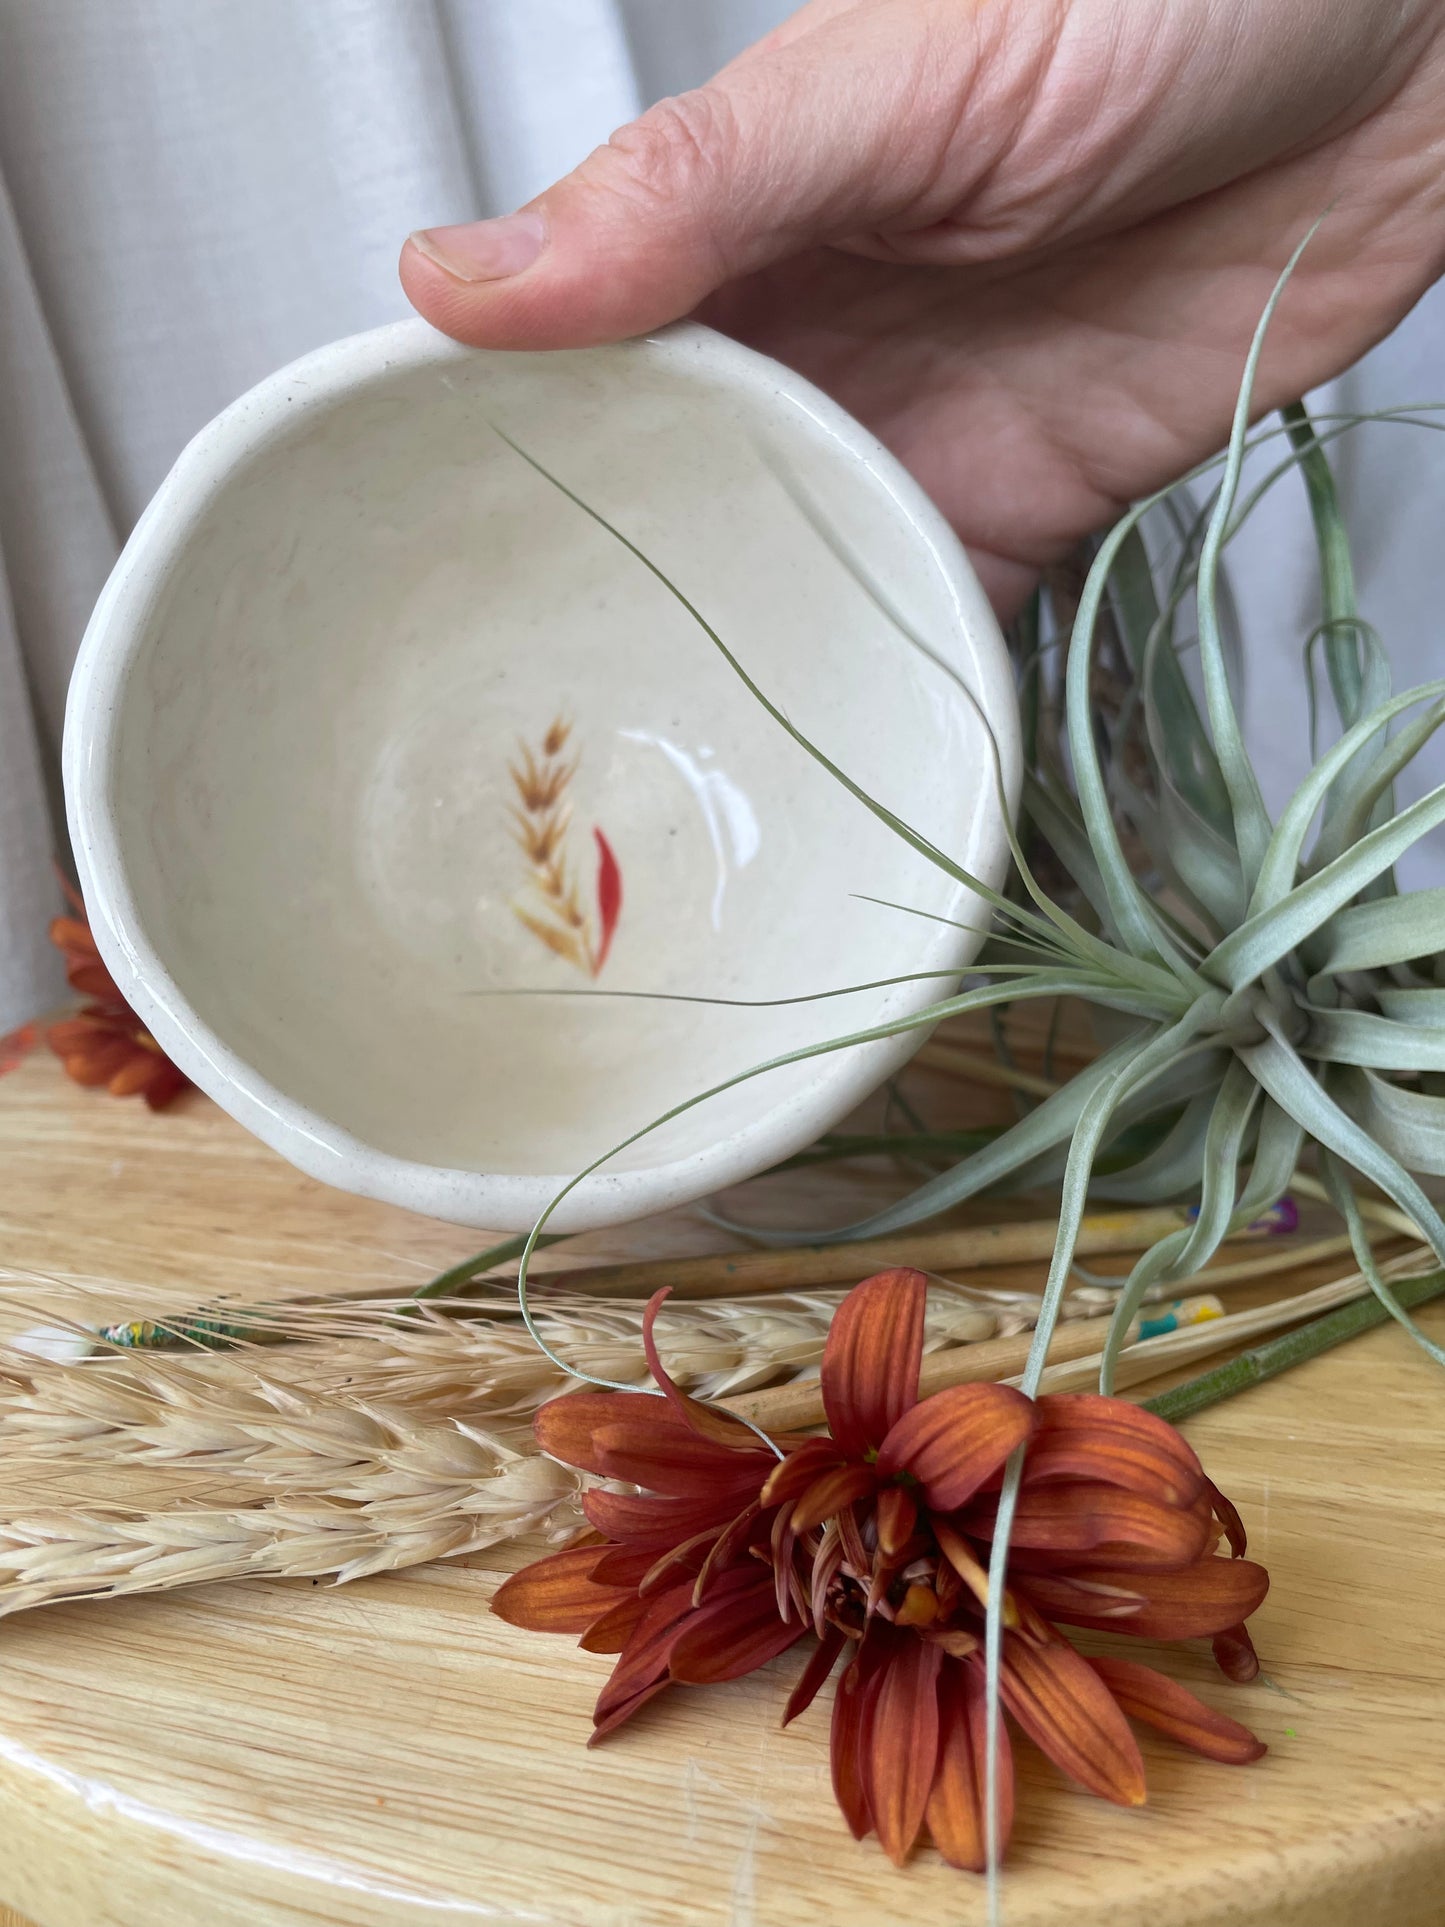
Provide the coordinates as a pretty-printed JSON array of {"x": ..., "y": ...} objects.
[
  {"x": 876, "y": 1539},
  {"x": 105, "y": 1042}
]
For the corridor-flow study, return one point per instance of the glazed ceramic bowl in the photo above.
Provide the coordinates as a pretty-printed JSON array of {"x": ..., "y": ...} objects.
[{"x": 374, "y": 729}]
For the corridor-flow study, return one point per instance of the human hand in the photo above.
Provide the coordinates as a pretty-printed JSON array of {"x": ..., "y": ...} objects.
[{"x": 1025, "y": 241}]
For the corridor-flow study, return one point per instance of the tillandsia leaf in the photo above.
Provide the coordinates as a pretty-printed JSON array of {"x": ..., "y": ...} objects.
[
  {"x": 1183, "y": 750},
  {"x": 1251, "y": 819},
  {"x": 1049, "y": 1126},
  {"x": 1186, "y": 1251},
  {"x": 1171, "y": 1170},
  {"x": 1141, "y": 930},
  {"x": 1426, "y": 1007},
  {"x": 1371, "y": 936},
  {"x": 1337, "y": 574},
  {"x": 1263, "y": 939},
  {"x": 1408, "y": 1125},
  {"x": 1342, "y": 1194},
  {"x": 1377, "y": 1043},
  {"x": 1361, "y": 797},
  {"x": 1280, "y": 865},
  {"x": 1285, "y": 1076}
]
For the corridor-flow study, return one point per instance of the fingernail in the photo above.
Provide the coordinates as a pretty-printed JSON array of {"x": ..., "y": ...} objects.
[{"x": 484, "y": 250}]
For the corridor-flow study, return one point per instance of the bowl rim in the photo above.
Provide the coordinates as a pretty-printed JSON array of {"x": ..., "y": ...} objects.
[{"x": 109, "y": 654}]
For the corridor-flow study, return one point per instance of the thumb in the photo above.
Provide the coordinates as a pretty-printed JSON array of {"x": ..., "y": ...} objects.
[{"x": 795, "y": 144}]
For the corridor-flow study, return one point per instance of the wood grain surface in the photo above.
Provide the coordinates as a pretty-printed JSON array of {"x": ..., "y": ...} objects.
[{"x": 280, "y": 1753}]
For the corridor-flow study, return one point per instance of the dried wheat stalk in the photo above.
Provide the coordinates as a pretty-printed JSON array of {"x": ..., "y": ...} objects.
[
  {"x": 540, "y": 821},
  {"x": 358, "y": 1489}
]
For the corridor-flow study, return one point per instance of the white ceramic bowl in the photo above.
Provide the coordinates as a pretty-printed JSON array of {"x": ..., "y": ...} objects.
[{"x": 297, "y": 758}]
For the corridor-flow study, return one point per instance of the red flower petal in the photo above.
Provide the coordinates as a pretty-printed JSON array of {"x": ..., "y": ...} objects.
[
  {"x": 733, "y": 1635},
  {"x": 1083, "y": 1436},
  {"x": 609, "y": 899},
  {"x": 831, "y": 1492},
  {"x": 700, "y": 1418},
  {"x": 954, "y": 1441},
  {"x": 1229, "y": 1518},
  {"x": 851, "y": 1709},
  {"x": 1079, "y": 1516},
  {"x": 1163, "y": 1703},
  {"x": 658, "y": 1523},
  {"x": 165, "y": 1083},
  {"x": 557, "y": 1594},
  {"x": 565, "y": 1427},
  {"x": 670, "y": 1460},
  {"x": 1211, "y": 1596},
  {"x": 624, "y": 1710},
  {"x": 900, "y": 1744},
  {"x": 644, "y": 1658},
  {"x": 820, "y": 1664},
  {"x": 1068, "y": 1712},
  {"x": 955, "y": 1813},
  {"x": 627, "y": 1566},
  {"x": 871, "y": 1359},
  {"x": 1235, "y": 1656}
]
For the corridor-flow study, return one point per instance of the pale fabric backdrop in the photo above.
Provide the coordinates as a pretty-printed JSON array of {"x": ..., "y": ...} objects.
[{"x": 193, "y": 192}]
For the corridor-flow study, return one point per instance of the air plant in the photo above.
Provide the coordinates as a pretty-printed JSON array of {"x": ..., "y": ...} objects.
[{"x": 1278, "y": 997}]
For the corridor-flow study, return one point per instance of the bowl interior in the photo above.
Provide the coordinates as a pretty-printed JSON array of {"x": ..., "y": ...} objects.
[{"x": 404, "y": 732}]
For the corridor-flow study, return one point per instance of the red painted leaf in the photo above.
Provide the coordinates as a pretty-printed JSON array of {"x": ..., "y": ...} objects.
[{"x": 609, "y": 899}]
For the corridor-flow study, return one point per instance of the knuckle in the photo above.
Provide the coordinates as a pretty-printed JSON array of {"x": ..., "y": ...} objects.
[{"x": 677, "y": 147}]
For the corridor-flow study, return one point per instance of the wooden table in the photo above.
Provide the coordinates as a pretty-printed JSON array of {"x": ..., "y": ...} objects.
[{"x": 287, "y": 1753}]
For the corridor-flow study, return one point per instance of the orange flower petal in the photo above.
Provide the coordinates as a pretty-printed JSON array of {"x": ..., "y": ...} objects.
[
  {"x": 955, "y": 1811},
  {"x": 896, "y": 1515},
  {"x": 820, "y": 1664},
  {"x": 1211, "y": 1596},
  {"x": 91, "y": 978},
  {"x": 1069, "y": 1713},
  {"x": 611, "y": 1632},
  {"x": 1163, "y": 1703},
  {"x": 73, "y": 1034},
  {"x": 1080, "y": 1516},
  {"x": 136, "y": 1075},
  {"x": 16, "y": 1045},
  {"x": 956, "y": 1440},
  {"x": 830, "y": 1493},
  {"x": 72, "y": 936},
  {"x": 733, "y": 1635},
  {"x": 1083, "y": 1436},
  {"x": 565, "y": 1427},
  {"x": 900, "y": 1745},
  {"x": 95, "y": 1064},
  {"x": 557, "y": 1594},
  {"x": 871, "y": 1359},
  {"x": 792, "y": 1476},
  {"x": 670, "y": 1460}
]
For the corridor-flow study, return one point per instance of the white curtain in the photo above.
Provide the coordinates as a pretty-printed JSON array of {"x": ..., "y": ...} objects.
[{"x": 193, "y": 192}]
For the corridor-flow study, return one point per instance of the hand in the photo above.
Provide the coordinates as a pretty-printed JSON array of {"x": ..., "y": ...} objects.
[{"x": 1025, "y": 241}]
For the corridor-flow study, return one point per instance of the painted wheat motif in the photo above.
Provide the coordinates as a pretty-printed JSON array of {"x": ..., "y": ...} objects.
[{"x": 541, "y": 822}]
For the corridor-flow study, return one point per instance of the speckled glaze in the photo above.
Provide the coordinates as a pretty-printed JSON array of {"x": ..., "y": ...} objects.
[{"x": 296, "y": 763}]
